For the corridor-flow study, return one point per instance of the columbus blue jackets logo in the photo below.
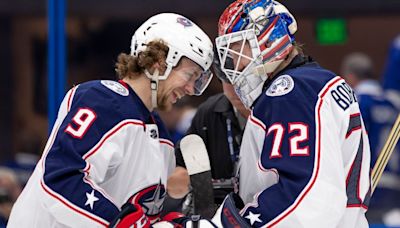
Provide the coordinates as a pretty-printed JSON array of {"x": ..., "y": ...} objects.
[
  {"x": 281, "y": 86},
  {"x": 151, "y": 199},
  {"x": 184, "y": 21},
  {"x": 116, "y": 87}
]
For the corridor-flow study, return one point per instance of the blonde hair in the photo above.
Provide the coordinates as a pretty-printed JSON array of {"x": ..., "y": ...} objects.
[
  {"x": 299, "y": 47},
  {"x": 129, "y": 66}
]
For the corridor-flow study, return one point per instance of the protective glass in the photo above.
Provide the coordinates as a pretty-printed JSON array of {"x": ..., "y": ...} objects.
[{"x": 202, "y": 82}]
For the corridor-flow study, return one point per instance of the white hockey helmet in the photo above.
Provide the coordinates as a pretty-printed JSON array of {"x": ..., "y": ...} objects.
[{"x": 183, "y": 38}]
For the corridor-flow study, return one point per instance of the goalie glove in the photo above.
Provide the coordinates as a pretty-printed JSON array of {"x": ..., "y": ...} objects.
[
  {"x": 131, "y": 216},
  {"x": 228, "y": 215}
]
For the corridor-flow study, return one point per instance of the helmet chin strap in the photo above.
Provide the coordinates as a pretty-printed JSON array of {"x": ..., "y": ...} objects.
[{"x": 153, "y": 85}]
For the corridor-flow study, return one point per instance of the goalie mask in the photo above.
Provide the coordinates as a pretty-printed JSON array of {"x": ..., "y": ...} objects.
[
  {"x": 184, "y": 39},
  {"x": 255, "y": 37}
]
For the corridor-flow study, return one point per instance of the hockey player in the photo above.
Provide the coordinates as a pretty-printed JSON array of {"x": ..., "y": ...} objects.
[
  {"x": 304, "y": 157},
  {"x": 108, "y": 156},
  {"x": 379, "y": 115},
  {"x": 391, "y": 80}
]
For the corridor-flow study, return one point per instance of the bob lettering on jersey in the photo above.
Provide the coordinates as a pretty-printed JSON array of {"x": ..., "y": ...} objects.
[{"x": 344, "y": 95}]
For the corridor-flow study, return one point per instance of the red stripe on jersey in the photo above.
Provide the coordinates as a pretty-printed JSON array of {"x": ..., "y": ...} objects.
[
  {"x": 348, "y": 174},
  {"x": 123, "y": 83},
  {"x": 261, "y": 167},
  {"x": 167, "y": 142},
  {"x": 330, "y": 85},
  {"x": 70, "y": 98},
  {"x": 89, "y": 182},
  {"x": 357, "y": 205},
  {"x": 257, "y": 122},
  {"x": 71, "y": 207},
  {"x": 355, "y": 128},
  {"x": 352, "y": 130},
  {"x": 314, "y": 178},
  {"x": 90, "y": 153}
]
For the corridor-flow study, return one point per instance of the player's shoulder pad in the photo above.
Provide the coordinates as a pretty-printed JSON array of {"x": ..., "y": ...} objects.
[
  {"x": 282, "y": 85},
  {"x": 102, "y": 93},
  {"x": 115, "y": 87}
]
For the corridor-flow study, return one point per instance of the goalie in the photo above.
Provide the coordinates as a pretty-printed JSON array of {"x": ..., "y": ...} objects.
[{"x": 304, "y": 157}]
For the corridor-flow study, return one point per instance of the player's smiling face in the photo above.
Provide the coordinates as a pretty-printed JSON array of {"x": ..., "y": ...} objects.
[{"x": 179, "y": 83}]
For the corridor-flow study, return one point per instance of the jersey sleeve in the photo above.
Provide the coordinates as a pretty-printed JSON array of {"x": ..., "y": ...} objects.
[
  {"x": 167, "y": 146},
  {"x": 86, "y": 142}
]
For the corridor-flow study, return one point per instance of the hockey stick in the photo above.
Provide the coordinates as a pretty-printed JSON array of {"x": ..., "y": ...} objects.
[
  {"x": 197, "y": 163},
  {"x": 385, "y": 154}
]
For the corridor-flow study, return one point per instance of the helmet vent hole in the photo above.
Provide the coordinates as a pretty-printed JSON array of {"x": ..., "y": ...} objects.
[
  {"x": 197, "y": 52},
  {"x": 198, "y": 38}
]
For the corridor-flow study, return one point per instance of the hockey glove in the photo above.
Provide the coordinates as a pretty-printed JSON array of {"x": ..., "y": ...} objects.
[
  {"x": 228, "y": 215},
  {"x": 131, "y": 216}
]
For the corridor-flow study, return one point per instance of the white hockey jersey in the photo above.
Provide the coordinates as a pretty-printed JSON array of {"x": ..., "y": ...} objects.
[
  {"x": 305, "y": 157},
  {"x": 105, "y": 149}
]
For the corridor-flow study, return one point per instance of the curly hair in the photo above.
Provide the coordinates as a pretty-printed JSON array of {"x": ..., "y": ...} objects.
[{"x": 129, "y": 66}]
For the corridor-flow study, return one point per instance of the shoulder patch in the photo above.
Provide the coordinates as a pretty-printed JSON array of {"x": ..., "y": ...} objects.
[
  {"x": 116, "y": 87},
  {"x": 281, "y": 86}
]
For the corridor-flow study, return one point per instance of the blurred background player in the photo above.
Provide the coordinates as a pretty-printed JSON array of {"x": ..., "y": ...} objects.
[
  {"x": 304, "y": 157},
  {"x": 391, "y": 87},
  {"x": 391, "y": 79},
  {"x": 178, "y": 119},
  {"x": 108, "y": 157},
  {"x": 220, "y": 122},
  {"x": 379, "y": 115},
  {"x": 10, "y": 189}
]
